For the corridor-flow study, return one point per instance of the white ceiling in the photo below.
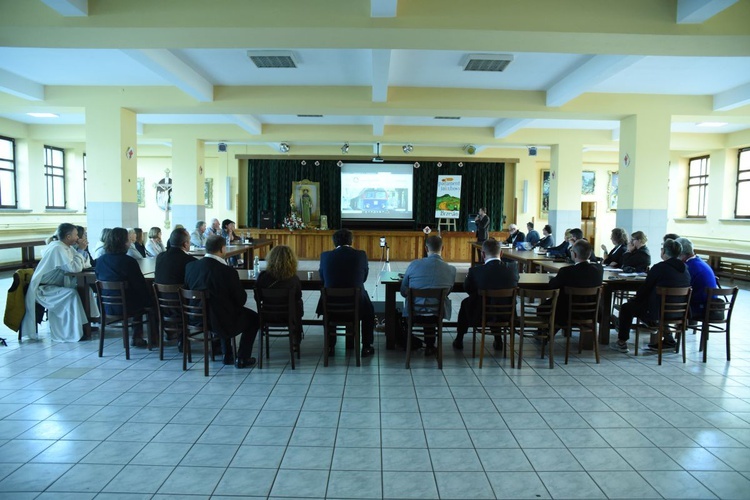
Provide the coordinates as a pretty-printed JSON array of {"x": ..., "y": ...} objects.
[{"x": 201, "y": 69}]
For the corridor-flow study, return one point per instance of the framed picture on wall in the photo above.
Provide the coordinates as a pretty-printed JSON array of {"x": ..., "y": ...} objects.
[
  {"x": 544, "y": 194},
  {"x": 306, "y": 196},
  {"x": 588, "y": 181},
  {"x": 208, "y": 193},
  {"x": 614, "y": 181},
  {"x": 140, "y": 186}
]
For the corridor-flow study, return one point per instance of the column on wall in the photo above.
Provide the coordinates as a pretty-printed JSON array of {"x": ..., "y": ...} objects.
[
  {"x": 566, "y": 162},
  {"x": 526, "y": 180},
  {"x": 722, "y": 188},
  {"x": 188, "y": 176},
  {"x": 644, "y": 174},
  {"x": 111, "y": 168}
]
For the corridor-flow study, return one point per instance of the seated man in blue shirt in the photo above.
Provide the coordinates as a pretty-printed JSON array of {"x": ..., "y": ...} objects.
[
  {"x": 701, "y": 277},
  {"x": 532, "y": 235},
  {"x": 430, "y": 272}
]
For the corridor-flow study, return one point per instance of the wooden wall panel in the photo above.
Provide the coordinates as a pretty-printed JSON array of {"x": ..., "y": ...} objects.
[{"x": 404, "y": 245}]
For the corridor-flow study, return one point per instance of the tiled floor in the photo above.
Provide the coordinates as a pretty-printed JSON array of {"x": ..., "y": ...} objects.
[{"x": 74, "y": 425}]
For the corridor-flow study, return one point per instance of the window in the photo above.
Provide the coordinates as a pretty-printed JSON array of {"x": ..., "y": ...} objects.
[
  {"x": 742, "y": 206},
  {"x": 8, "y": 173},
  {"x": 54, "y": 173},
  {"x": 697, "y": 186}
]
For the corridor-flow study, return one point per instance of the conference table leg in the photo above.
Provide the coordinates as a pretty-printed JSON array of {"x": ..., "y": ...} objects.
[
  {"x": 82, "y": 286},
  {"x": 391, "y": 289},
  {"x": 606, "y": 315},
  {"x": 249, "y": 256}
]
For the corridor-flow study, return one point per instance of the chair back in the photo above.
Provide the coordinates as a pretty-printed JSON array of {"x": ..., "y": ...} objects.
[
  {"x": 170, "y": 312},
  {"x": 675, "y": 305},
  {"x": 540, "y": 315},
  {"x": 583, "y": 305},
  {"x": 341, "y": 306},
  {"x": 194, "y": 305},
  {"x": 498, "y": 307},
  {"x": 276, "y": 307},
  {"x": 426, "y": 302},
  {"x": 112, "y": 300},
  {"x": 720, "y": 305}
]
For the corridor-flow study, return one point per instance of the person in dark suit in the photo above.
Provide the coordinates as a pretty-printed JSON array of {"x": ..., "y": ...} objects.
[
  {"x": 547, "y": 241},
  {"x": 483, "y": 224},
  {"x": 670, "y": 273},
  {"x": 515, "y": 236},
  {"x": 493, "y": 275},
  {"x": 227, "y": 314},
  {"x": 582, "y": 274},
  {"x": 116, "y": 265},
  {"x": 345, "y": 267},
  {"x": 637, "y": 258},
  {"x": 561, "y": 250},
  {"x": 281, "y": 273},
  {"x": 620, "y": 241},
  {"x": 170, "y": 265}
]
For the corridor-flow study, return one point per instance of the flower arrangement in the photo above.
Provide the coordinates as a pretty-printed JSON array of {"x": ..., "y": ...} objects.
[{"x": 293, "y": 221}]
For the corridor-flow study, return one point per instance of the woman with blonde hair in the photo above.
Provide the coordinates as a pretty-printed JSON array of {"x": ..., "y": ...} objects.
[
  {"x": 637, "y": 258},
  {"x": 281, "y": 273},
  {"x": 154, "y": 246}
]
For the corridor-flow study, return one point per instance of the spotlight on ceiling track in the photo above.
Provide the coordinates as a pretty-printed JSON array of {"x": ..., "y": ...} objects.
[
  {"x": 303, "y": 162},
  {"x": 460, "y": 164},
  {"x": 408, "y": 148},
  {"x": 439, "y": 164},
  {"x": 284, "y": 147},
  {"x": 345, "y": 148},
  {"x": 416, "y": 164},
  {"x": 339, "y": 163},
  {"x": 470, "y": 149}
]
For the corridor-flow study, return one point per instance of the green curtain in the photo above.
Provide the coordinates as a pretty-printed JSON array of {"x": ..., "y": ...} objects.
[
  {"x": 482, "y": 185},
  {"x": 270, "y": 184}
]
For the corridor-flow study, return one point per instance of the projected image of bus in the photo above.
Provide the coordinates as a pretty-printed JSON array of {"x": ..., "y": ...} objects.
[{"x": 376, "y": 191}]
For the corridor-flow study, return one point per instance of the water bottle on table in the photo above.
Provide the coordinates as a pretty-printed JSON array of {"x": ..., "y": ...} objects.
[{"x": 256, "y": 266}]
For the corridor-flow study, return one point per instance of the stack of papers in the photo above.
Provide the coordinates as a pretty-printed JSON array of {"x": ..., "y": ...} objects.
[{"x": 632, "y": 275}]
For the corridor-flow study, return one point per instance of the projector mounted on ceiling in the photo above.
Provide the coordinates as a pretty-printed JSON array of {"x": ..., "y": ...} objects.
[{"x": 377, "y": 158}]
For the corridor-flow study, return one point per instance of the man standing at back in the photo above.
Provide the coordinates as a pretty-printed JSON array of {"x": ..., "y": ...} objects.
[
  {"x": 227, "y": 314},
  {"x": 483, "y": 224},
  {"x": 345, "y": 267},
  {"x": 493, "y": 275},
  {"x": 430, "y": 272}
]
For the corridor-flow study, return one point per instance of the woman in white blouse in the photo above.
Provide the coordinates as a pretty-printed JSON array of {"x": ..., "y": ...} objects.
[{"x": 154, "y": 246}]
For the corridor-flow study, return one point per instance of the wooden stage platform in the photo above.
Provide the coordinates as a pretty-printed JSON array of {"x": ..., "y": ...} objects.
[{"x": 404, "y": 245}]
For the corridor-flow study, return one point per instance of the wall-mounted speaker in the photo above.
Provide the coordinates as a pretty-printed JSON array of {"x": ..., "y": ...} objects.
[
  {"x": 222, "y": 147},
  {"x": 532, "y": 150}
]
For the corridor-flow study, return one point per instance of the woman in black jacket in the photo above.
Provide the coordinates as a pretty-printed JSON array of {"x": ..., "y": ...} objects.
[
  {"x": 281, "y": 273},
  {"x": 637, "y": 258},
  {"x": 116, "y": 265},
  {"x": 620, "y": 241}
]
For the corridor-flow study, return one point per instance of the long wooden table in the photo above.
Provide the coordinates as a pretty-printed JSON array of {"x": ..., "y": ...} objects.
[
  {"x": 392, "y": 282},
  {"x": 728, "y": 269},
  {"x": 613, "y": 282},
  {"x": 528, "y": 260},
  {"x": 245, "y": 249},
  {"x": 27, "y": 250}
]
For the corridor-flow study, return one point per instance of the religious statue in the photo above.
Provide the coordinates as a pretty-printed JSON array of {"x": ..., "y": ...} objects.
[{"x": 307, "y": 205}]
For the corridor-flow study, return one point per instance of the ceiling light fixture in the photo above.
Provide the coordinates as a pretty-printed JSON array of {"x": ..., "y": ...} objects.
[
  {"x": 470, "y": 149},
  {"x": 317, "y": 163},
  {"x": 303, "y": 163},
  {"x": 439, "y": 164},
  {"x": 408, "y": 148},
  {"x": 345, "y": 148},
  {"x": 416, "y": 164},
  {"x": 43, "y": 115},
  {"x": 712, "y": 124},
  {"x": 339, "y": 163},
  {"x": 284, "y": 147},
  {"x": 460, "y": 164}
]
